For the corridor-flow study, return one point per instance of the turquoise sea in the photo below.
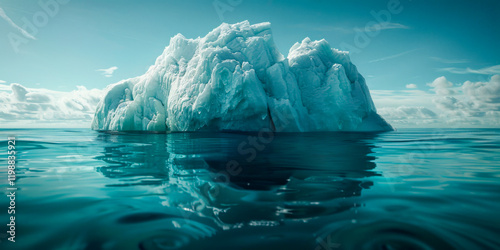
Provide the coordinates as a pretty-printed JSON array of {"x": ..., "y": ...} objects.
[{"x": 408, "y": 189}]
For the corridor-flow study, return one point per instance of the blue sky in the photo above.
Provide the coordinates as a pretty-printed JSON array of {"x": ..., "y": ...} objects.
[{"x": 77, "y": 43}]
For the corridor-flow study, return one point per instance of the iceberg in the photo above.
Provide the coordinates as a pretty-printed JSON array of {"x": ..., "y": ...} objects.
[{"x": 235, "y": 79}]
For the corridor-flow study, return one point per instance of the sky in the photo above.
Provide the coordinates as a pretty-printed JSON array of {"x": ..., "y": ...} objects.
[{"x": 427, "y": 63}]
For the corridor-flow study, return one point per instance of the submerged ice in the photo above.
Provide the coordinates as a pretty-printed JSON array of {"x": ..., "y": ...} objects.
[{"x": 235, "y": 78}]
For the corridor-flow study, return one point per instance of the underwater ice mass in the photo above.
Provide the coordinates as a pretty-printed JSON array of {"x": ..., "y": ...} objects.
[{"x": 235, "y": 79}]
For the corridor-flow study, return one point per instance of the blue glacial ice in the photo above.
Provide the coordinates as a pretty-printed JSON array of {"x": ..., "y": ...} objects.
[{"x": 235, "y": 78}]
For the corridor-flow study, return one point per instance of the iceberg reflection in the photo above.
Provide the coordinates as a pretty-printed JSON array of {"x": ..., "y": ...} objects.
[{"x": 245, "y": 179}]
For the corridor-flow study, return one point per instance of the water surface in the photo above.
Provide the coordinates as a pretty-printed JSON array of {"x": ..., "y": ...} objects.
[{"x": 409, "y": 189}]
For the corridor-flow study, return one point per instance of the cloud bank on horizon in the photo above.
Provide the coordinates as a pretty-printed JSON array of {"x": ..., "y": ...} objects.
[
  {"x": 42, "y": 108},
  {"x": 445, "y": 105},
  {"x": 471, "y": 104}
]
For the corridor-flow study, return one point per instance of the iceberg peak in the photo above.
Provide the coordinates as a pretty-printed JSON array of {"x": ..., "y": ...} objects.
[{"x": 235, "y": 78}]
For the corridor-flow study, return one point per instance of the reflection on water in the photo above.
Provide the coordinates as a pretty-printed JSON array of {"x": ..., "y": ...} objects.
[
  {"x": 401, "y": 190},
  {"x": 243, "y": 179}
]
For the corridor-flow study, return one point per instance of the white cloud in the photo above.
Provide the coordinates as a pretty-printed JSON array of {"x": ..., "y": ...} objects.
[
  {"x": 349, "y": 30},
  {"x": 325, "y": 28},
  {"x": 449, "y": 61},
  {"x": 392, "y": 56},
  {"x": 405, "y": 116},
  {"x": 15, "y": 26},
  {"x": 109, "y": 71},
  {"x": 483, "y": 71},
  {"x": 397, "y": 98},
  {"x": 411, "y": 86},
  {"x": 487, "y": 92},
  {"x": 2, "y": 81},
  {"x": 442, "y": 86},
  {"x": 471, "y": 104},
  {"x": 385, "y": 26},
  {"x": 38, "y": 107}
]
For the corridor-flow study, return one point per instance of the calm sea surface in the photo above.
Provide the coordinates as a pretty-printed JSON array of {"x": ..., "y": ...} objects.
[{"x": 409, "y": 189}]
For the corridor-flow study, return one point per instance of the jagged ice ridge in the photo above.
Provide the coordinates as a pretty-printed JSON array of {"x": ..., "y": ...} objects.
[{"x": 235, "y": 78}]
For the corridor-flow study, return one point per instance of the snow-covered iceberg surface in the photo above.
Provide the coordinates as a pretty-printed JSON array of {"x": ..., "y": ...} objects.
[{"x": 235, "y": 78}]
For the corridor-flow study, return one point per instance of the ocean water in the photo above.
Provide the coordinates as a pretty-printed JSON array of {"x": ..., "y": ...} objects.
[{"x": 408, "y": 189}]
